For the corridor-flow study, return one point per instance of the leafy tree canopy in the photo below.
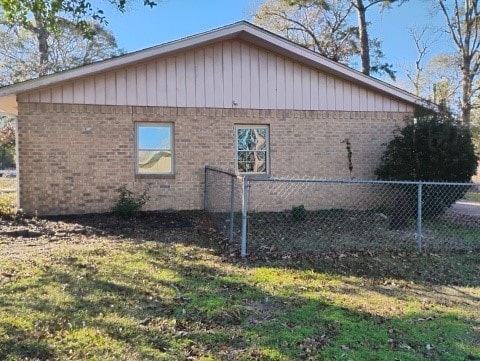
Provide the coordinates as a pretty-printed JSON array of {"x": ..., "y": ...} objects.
[
  {"x": 7, "y": 142},
  {"x": 67, "y": 48},
  {"x": 49, "y": 13},
  {"x": 7, "y": 131},
  {"x": 43, "y": 18}
]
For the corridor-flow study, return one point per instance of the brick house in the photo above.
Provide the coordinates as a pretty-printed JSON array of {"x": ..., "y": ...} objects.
[{"x": 238, "y": 97}]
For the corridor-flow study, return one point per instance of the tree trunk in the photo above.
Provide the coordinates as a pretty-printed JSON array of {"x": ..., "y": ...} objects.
[
  {"x": 466, "y": 106},
  {"x": 42, "y": 37},
  {"x": 363, "y": 36},
  {"x": 466, "y": 90}
]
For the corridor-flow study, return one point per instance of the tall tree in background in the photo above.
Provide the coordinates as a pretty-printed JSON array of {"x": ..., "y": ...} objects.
[
  {"x": 67, "y": 48},
  {"x": 362, "y": 7},
  {"x": 463, "y": 21},
  {"x": 326, "y": 26},
  {"x": 44, "y": 17},
  {"x": 436, "y": 79},
  {"x": 444, "y": 75},
  {"x": 363, "y": 33},
  {"x": 417, "y": 75},
  {"x": 321, "y": 26}
]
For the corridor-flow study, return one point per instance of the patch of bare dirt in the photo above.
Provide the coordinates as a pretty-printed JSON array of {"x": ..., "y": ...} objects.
[{"x": 24, "y": 237}]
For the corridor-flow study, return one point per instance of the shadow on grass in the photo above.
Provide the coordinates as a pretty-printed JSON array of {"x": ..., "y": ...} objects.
[
  {"x": 16, "y": 344},
  {"x": 455, "y": 267},
  {"x": 459, "y": 269},
  {"x": 180, "y": 304},
  {"x": 171, "y": 289}
]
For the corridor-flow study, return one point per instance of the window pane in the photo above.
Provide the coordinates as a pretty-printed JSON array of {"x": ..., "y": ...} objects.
[
  {"x": 261, "y": 138},
  {"x": 154, "y": 137},
  {"x": 260, "y": 164},
  {"x": 245, "y": 159},
  {"x": 154, "y": 149},
  {"x": 243, "y": 136},
  {"x": 252, "y": 162},
  {"x": 151, "y": 161},
  {"x": 252, "y": 138},
  {"x": 252, "y": 149}
]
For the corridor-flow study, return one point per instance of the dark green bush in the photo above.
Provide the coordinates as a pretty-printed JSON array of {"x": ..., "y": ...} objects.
[
  {"x": 299, "y": 213},
  {"x": 434, "y": 148},
  {"x": 127, "y": 204},
  {"x": 7, "y": 156}
]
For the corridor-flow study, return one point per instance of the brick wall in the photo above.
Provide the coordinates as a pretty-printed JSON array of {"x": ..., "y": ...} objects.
[
  {"x": 73, "y": 157},
  {"x": 476, "y": 178}
]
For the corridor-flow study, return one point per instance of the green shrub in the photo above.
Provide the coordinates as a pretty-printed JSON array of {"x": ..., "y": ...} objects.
[
  {"x": 299, "y": 213},
  {"x": 433, "y": 148},
  {"x": 127, "y": 204}
]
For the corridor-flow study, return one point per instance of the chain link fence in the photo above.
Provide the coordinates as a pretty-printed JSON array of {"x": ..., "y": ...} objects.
[
  {"x": 223, "y": 202},
  {"x": 305, "y": 215}
]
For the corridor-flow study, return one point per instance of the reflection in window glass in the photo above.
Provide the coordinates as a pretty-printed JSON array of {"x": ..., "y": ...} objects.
[
  {"x": 252, "y": 148},
  {"x": 154, "y": 149}
]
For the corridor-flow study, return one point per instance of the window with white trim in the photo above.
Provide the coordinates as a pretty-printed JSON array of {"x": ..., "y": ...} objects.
[
  {"x": 154, "y": 148},
  {"x": 252, "y": 153}
]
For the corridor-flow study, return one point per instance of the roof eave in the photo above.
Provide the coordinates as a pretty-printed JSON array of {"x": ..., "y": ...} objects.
[
  {"x": 206, "y": 38},
  {"x": 8, "y": 105},
  {"x": 317, "y": 61},
  {"x": 242, "y": 30}
]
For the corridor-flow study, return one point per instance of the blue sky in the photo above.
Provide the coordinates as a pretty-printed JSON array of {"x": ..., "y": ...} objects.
[{"x": 141, "y": 27}]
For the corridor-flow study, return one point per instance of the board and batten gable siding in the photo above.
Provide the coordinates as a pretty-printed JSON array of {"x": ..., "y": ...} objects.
[{"x": 228, "y": 74}]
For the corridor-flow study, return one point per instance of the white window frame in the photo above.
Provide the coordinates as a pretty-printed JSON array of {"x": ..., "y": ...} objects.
[
  {"x": 170, "y": 126},
  {"x": 267, "y": 147}
]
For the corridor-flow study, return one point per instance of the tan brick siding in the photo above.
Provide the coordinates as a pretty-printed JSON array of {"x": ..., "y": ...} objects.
[
  {"x": 73, "y": 157},
  {"x": 476, "y": 178}
]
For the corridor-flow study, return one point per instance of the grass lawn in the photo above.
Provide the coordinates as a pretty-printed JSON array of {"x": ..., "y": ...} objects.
[
  {"x": 8, "y": 183},
  {"x": 472, "y": 196},
  {"x": 341, "y": 230},
  {"x": 8, "y": 196},
  {"x": 173, "y": 294}
]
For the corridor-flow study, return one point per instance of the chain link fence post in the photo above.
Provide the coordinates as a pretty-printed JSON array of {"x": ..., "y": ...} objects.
[
  {"x": 205, "y": 191},
  {"x": 419, "y": 217},
  {"x": 232, "y": 209},
  {"x": 243, "y": 248}
]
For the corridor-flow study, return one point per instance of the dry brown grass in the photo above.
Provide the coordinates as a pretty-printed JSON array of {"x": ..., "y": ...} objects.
[{"x": 8, "y": 184}]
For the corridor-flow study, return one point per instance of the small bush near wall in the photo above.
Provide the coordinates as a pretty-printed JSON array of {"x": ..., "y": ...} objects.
[
  {"x": 299, "y": 213},
  {"x": 127, "y": 204}
]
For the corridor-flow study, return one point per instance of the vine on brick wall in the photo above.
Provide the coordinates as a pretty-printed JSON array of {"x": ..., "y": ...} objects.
[{"x": 349, "y": 154}]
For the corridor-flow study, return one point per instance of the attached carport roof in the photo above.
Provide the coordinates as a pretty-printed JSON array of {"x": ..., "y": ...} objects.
[{"x": 242, "y": 30}]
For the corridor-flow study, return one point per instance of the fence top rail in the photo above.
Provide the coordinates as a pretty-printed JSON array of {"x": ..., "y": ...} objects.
[
  {"x": 353, "y": 181},
  {"x": 218, "y": 170}
]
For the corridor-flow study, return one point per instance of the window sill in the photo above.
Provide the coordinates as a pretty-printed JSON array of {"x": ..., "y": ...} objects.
[
  {"x": 154, "y": 176},
  {"x": 255, "y": 175}
]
